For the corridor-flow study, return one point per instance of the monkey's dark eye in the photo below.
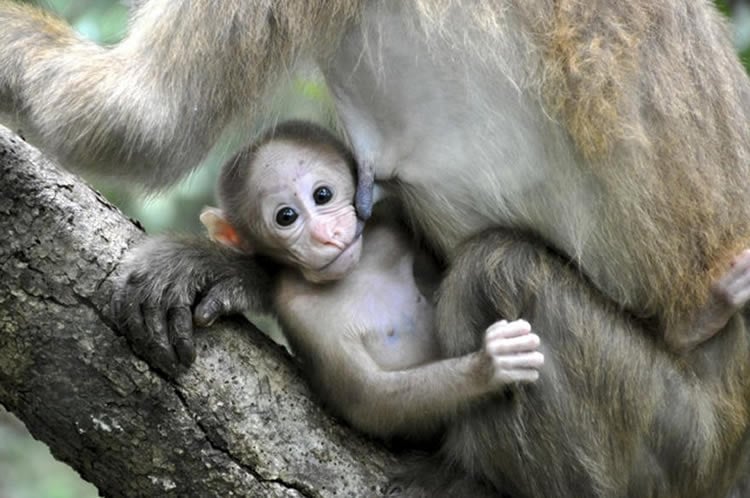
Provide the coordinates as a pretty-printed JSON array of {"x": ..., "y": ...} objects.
[
  {"x": 286, "y": 216},
  {"x": 322, "y": 195}
]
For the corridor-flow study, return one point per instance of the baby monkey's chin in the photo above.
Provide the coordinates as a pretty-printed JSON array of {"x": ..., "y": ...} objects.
[{"x": 339, "y": 267}]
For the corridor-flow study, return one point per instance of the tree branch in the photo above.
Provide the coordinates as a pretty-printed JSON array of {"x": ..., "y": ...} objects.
[{"x": 240, "y": 421}]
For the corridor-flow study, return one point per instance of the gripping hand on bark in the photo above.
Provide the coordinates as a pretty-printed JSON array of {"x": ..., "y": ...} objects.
[{"x": 169, "y": 286}]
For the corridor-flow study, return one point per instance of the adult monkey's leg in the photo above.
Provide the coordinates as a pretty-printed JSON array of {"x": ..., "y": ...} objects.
[{"x": 612, "y": 414}]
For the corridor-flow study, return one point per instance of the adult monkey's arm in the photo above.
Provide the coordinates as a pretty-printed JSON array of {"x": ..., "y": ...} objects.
[{"x": 149, "y": 108}]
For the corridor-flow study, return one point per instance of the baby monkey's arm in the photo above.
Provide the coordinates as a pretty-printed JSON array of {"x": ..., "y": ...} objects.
[{"x": 416, "y": 401}]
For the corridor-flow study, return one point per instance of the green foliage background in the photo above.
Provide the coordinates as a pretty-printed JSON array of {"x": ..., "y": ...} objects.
[{"x": 27, "y": 469}]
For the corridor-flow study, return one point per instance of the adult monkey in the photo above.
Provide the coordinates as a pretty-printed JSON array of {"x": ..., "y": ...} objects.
[{"x": 615, "y": 131}]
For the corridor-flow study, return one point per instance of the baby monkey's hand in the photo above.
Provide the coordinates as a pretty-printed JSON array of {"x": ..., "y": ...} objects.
[{"x": 513, "y": 352}]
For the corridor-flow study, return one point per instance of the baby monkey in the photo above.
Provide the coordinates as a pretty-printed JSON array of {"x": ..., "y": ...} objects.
[{"x": 348, "y": 300}]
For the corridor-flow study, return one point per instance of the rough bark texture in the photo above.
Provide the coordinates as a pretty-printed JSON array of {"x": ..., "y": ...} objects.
[{"x": 239, "y": 423}]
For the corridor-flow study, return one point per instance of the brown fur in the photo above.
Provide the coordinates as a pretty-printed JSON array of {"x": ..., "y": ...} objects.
[
  {"x": 655, "y": 100},
  {"x": 638, "y": 95},
  {"x": 660, "y": 117}
]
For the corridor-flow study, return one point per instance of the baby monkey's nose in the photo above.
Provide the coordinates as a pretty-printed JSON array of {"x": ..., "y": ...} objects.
[{"x": 328, "y": 233}]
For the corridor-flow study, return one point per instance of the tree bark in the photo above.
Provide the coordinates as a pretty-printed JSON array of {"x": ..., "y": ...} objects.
[{"x": 240, "y": 422}]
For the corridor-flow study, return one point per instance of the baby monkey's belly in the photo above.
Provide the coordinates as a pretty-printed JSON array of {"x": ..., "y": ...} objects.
[{"x": 401, "y": 333}]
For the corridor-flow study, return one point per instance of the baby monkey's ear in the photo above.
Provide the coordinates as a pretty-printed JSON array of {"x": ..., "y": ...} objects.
[{"x": 221, "y": 231}]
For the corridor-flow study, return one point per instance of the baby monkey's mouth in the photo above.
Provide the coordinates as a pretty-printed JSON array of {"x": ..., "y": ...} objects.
[{"x": 346, "y": 249}]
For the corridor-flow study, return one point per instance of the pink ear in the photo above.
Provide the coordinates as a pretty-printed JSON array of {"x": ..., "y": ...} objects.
[{"x": 221, "y": 231}]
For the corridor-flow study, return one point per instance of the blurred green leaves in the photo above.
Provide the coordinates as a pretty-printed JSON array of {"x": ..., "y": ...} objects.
[{"x": 28, "y": 470}]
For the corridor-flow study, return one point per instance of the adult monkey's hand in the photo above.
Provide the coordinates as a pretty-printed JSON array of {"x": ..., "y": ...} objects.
[{"x": 169, "y": 286}]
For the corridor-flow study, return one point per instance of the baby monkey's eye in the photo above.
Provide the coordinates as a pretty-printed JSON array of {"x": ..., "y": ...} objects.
[
  {"x": 322, "y": 195},
  {"x": 286, "y": 216}
]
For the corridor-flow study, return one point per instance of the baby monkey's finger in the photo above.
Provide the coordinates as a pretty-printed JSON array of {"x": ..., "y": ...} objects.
[
  {"x": 508, "y": 329},
  {"x": 531, "y": 360}
]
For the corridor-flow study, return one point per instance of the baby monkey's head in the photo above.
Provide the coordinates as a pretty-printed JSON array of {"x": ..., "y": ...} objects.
[{"x": 290, "y": 196}]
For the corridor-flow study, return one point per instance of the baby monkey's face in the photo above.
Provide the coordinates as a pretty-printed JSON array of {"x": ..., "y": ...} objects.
[{"x": 307, "y": 217}]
